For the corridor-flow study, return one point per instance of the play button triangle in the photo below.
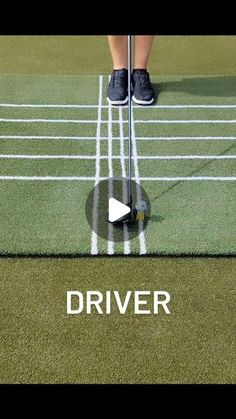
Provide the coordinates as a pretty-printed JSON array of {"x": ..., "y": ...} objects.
[{"x": 117, "y": 210}]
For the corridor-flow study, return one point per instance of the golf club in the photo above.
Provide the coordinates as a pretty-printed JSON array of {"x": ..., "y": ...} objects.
[
  {"x": 129, "y": 218},
  {"x": 129, "y": 119}
]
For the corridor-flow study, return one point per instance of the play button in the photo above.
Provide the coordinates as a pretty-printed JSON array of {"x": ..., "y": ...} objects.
[
  {"x": 108, "y": 206},
  {"x": 117, "y": 210}
]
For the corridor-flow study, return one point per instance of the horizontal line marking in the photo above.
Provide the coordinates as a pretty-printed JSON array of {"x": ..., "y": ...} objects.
[
  {"x": 47, "y": 137},
  {"x": 92, "y": 157},
  {"x": 56, "y": 121},
  {"x": 188, "y": 157},
  {"x": 81, "y": 106},
  {"x": 44, "y": 178},
  {"x": 139, "y": 121},
  {"x": 188, "y": 107},
  {"x": 185, "y": 121},
  {"x": 185, "y": 138},
  {"x": 71, "y": 178},
  {"x": 59, "y": 137},
  {"x": 191, "y": 178},
  {"x": 42, "y": 105},
  {"x": 48, "y": 156}
]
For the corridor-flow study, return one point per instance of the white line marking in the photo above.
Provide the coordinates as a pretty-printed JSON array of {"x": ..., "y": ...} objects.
[
  {"x": 85, "y": 157},
  {"x": 138, "y": 121},
  {"x": 142, "y": 241},
  {"x": 185, "y": 138},
  {"x": 185, "y": 121},
  {"x": 48, "y": 157},
  {"x": 80, "y": 106},
  {"x": 46, "y": 178},
  {"x": 123, "y": 173},
  {"x": 92, "y": 178},
  {"x": 110, "y": 243},
  {"x": 191, "y": 178},
  {"x": 49, "y": 121},
  {"x": 188, "y": 157},
  {"x": 94, "y": 238},
  {"x": 41, "y": 105},
  {"x": 45, "y": 137},
  {"x": 186, "y": 107}
]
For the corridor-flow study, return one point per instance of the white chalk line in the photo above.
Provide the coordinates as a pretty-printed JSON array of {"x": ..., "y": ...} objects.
[
  {"x": 124, "y": 186},
  {"x": 110, "y": 242},
  {"x": 190, "y": 178},
  {"x": 206, "y": 138},
  {"x": 142, "y": 240},
  {"x": 137, "y": 121},
  {"x": 94, "y": 237},
  {"x": 87, "y": 106},
  {"x": 49, "y": 121},
  {"x": 88, "y": 157},
  {"x": 92, "y": 178},
  {"x": 185, "y": 121},
  {"x": 56, "y": 137},
  {"x": 47, "y": 137}
]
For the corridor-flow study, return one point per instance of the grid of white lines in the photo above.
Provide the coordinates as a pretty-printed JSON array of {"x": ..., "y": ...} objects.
[{"x": 98, "y": 157}]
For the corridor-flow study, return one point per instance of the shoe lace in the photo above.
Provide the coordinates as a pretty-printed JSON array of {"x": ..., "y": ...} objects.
[
  {"x": 144, "y": 79},
  {"x": 118, "y": 79}
]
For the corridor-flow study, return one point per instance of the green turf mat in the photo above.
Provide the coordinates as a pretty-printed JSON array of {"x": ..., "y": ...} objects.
[
  {"x": 188, "y": 217},
  {"x": 90, "y": 55},
  {"x": 49, "y": 147},
  {"x": 48, "y": 89},
  {"x": 40, "y": 343}
]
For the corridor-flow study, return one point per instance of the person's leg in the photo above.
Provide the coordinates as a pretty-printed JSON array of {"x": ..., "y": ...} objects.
[
  {"x": 118, "y": 48},
  {"x": 142, "y": 49},
  {"x": 143, "y": 93},
  {"x": 117, "y": 92}
]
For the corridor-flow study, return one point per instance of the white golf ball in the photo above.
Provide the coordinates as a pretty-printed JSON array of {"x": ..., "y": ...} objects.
[{"x": 141, "y": 205}]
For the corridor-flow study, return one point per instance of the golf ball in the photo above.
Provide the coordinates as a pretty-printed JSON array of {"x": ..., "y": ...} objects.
[{"x": 141, "y": 205}]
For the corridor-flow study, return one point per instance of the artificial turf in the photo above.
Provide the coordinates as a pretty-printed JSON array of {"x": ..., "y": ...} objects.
[
  {"x": 49, "y": 217},
  {"x": 182, "y": 55},
  {"x": 40, "y": 343}
]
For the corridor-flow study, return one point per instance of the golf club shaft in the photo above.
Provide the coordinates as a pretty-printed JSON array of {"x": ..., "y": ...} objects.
[{"x": 129, "y": 115}]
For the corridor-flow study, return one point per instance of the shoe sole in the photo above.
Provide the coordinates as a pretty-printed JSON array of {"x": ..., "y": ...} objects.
[
  {"x": 143, "y": 102},
  {"x": 117, "y": 102}
]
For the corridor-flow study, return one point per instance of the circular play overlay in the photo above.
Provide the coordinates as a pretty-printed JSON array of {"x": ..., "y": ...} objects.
[{"x": 109, "y": 199}]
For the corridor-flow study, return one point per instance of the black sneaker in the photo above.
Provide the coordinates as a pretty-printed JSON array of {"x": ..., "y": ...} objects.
[
  {"x": 117, "y": 91},
  {"x": 143, "y": 93}
]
